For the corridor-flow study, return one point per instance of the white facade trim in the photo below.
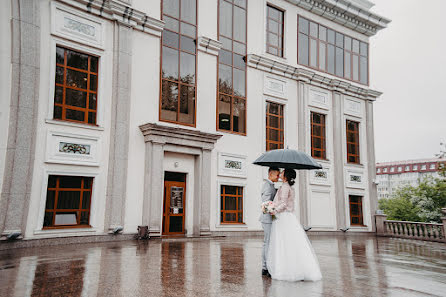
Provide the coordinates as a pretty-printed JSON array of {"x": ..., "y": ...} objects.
[
  {"x": 94, "y": 204},
  {"x": 230, "y": 227},
  {"x": 301, "y": 73},
  {"x": 349, "y": 14},
  {"x": 102, "y": 69}
]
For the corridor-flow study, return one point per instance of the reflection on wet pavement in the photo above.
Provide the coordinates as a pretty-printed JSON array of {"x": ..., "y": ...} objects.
[{"x": 351, "y": 266}]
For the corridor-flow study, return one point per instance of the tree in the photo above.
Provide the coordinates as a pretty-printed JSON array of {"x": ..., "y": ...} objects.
[
  {"x": 422, "y": 203},
  {"x": 400, "y": 207},
  {"x": 430, "y": 196}
]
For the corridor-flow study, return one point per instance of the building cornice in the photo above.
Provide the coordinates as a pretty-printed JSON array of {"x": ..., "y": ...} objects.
[
  {"x": 311, "y": 77},
  {"x": 208, "y": 45},
  {"x": 116, "y": 10},
  {"x": 178, "y": 136},
  {"x": 346, "y": 13}
]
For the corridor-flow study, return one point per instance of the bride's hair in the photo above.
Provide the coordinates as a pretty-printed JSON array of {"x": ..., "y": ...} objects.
[{"x": 290, "y": 175}]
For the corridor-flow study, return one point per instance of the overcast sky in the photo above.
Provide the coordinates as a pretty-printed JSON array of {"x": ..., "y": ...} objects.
[{"x": 408, "y": 64}]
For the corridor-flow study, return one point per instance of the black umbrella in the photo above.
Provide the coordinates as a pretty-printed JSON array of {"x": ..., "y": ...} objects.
[{"x": 287, "y": 158}]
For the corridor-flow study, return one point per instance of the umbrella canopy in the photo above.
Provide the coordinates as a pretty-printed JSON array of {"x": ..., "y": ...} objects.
[{"x": 287, "y": 158}]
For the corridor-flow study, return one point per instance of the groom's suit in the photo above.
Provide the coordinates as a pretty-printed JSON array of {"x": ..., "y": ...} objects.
[{"x": 268, "y": 193}]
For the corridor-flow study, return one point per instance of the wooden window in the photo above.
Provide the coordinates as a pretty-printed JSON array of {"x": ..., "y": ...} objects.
[
  {"x": 352, "y": 142},
  {"x": 274, "y": 126},
  {"x": 178, "y": 62},
  {"x": 76, "y": 87},
  {"x": 274, "y": 31},
  {"x": 332, "y": 52},
  {"x": 318, "y": 148},
  {"x": 356, "y": 217},
  {"x": 231, "y": 105},
  {"x": 231, "y": 205},
  {"x": 68, "y": 201}
]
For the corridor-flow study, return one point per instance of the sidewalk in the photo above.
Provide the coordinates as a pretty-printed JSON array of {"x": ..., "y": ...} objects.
[{"x": 230, "y": 266}]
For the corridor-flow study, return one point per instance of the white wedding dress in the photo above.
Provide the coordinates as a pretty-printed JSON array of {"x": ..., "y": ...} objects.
[{"x": 290, "y": 254}]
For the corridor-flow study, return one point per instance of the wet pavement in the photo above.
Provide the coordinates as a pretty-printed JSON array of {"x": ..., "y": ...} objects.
[{"x": 230, "y": 266}]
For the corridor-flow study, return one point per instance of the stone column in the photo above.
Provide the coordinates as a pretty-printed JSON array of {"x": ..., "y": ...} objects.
[
  {"x": 19, "y": 161},
  {"x": 371, "y": 163},
  {"x": 301, "y": 145},
  {"x": 338, "y": 159},
  {"x": 379, "y": 223},
  {"x": 119, "y": 135},
  {"x": 205, "y": 205},
  {"x": 156, "y": 189},
  {"x": 197, "y": 194}
]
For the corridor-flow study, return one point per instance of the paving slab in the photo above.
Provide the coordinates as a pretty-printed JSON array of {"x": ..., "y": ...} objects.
[{"x": 224, "y": 266}]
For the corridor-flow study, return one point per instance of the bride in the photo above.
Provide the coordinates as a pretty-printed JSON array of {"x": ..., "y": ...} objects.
[{"x": 290, "y": 254}]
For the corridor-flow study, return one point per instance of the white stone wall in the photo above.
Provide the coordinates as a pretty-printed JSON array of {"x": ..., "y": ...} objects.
[
  {"x": 50, "y": 132},
  {"x": 5, "y": 81},
  {"x": 322, "y": 205}
]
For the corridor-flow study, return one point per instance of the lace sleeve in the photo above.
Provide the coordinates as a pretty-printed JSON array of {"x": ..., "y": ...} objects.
[{"x": 283, "y": 199}]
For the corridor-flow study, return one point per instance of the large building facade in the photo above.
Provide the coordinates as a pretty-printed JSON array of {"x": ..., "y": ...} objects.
[
  {"x": 393, "y": 175},
  {"x": 116, "y": 114}
]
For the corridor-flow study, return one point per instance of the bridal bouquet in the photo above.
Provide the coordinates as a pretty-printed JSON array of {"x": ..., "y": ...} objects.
[{"x": 269, "y": 208}]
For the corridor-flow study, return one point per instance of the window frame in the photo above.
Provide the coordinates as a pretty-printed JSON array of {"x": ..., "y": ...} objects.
[
  {"x": 46, "y": 188},
  {"x": 326, "y": 42},
  {"x": 232, "y": 96},
  {"x": 66, "y": 47},
  {"x": 356, "y": 143},
  {"x": 322, "y": 137},
  {"x": 267, "y": 45},
  {"x": 179, "y": 50},
  {"x": 239, "y": 212},
  {"x": 361, "y": 209},
  {"x": 281, "y": 144}
]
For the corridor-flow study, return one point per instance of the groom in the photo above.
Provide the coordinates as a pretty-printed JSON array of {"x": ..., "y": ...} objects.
[{"x": 268, "y": 193}]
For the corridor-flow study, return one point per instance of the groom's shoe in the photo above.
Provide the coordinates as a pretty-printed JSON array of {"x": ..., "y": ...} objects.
[{"x": 266, "y": 272}]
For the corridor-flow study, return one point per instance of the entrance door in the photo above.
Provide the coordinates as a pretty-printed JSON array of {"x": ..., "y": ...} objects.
[{"x": 174, "y": 203}]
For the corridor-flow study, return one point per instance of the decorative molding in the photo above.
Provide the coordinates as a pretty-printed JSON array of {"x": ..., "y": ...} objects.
[
  {"x": 119, "y": 11},
  {"x": 232, "y": 165},
  {"x": 208, "y": 45},
  {"x": 70, "y": 23},
  {"x": 274, "y": 86},
  {"x": 355, "y": 179},
  {"x": 320, "y": 176},
  {"x": 311, "y": 77},
  {"x": 319, "y": 99},
  {"x": 353, "y": 15},
  {"x": 352, "y": 107},
  {"x": 74, "y": 149},
  {"x": 178, "y": 136}
]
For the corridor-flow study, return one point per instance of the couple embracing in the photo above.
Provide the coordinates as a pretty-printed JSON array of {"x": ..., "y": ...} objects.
[{"x": 287, "y": 253}]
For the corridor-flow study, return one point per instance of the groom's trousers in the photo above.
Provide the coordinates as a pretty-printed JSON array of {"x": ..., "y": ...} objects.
[{"x": 266, "y": 234}]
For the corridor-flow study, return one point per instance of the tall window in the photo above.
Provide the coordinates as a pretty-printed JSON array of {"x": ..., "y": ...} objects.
[
  {"x": 274, "y": 31},
  {"x": 178, "y": 74},
  {"x": 76, "y": 90},
  {"x": 352, "y": 142},
  {"x": 231, "y": 205},
  {"x": 356, "y": 217},
  {"x": 68, "y": 201},
  {"x": 318, "y": 149},
  {"x": 333, "y": 52},
  {"x": 232, "y": 67},
  {"x": 274, "y": 126}
]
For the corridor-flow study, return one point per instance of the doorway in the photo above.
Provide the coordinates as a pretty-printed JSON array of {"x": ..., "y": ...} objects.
[{"x": 174, "y": 208}]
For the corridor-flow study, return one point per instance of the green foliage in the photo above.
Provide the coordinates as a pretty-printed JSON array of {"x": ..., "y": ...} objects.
[
  {"x": 430, "y": 197},
  {"x": 422, "y": 203},
  {"x": 400, "y": 207}
]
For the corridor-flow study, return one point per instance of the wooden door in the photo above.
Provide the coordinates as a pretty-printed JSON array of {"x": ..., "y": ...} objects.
[{"x": 174, "y": 207}]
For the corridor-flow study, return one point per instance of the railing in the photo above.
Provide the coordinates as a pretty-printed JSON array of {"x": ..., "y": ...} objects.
[
  {"x": 415, "y": 230},
  {"x": 411, "y": 230}
]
